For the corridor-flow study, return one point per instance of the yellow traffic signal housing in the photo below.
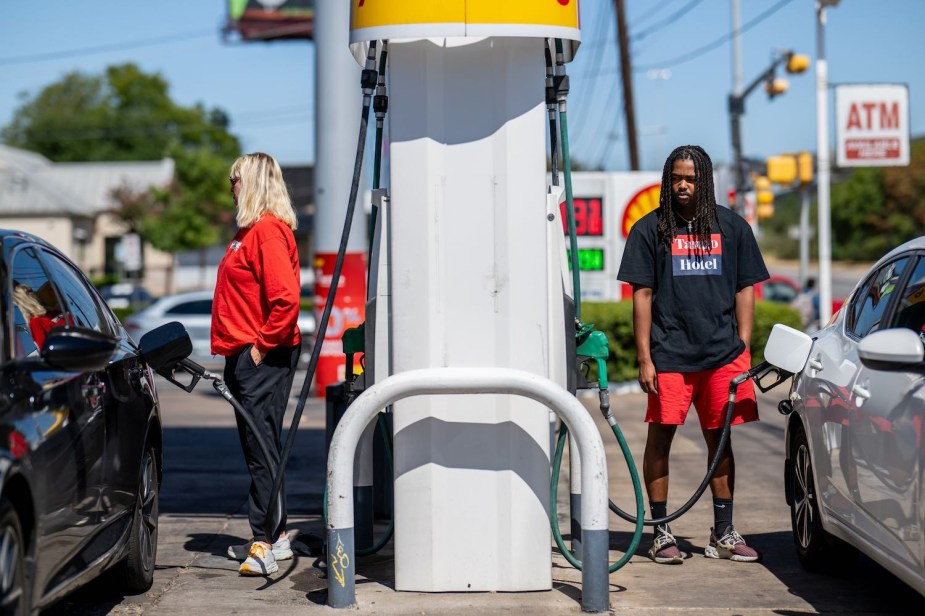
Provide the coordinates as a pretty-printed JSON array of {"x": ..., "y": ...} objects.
[
  {"x": 765, "y": 210},
  {"x": 805, "y": 166},
  {"x": 776, "y": 86},
  {"x": 782, "y": 169},
  {"x": 797, "y": 63},
  {"x": 763, "y": 194}
]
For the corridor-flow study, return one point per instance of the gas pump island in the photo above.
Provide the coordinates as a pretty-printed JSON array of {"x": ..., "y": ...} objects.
[
  {"x": 473, "y": 337},
  {"x": 470, "y": 331}
]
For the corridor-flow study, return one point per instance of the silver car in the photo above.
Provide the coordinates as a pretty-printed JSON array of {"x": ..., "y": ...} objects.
[
  {"x": 855, "y": 455},
  {"x": 193, "y": 310}
]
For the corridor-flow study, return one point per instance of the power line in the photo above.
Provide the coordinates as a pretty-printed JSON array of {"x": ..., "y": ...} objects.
[
  {"x": 715, "y": 44},
  {"x": 659, "y": 7},
  {"x": 85, "y": 51},
  {"x": 603, "y": 22},
  {"x": 684, "y": 10},
  {"x": 277, "y": 116}
]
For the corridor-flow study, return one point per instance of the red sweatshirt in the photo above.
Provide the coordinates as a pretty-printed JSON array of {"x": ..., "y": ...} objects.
[{"x": 257, "y": 291}]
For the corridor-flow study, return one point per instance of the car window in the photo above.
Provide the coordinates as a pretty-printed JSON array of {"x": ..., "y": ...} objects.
[
  {"x": 777, "y": 291},
  {"x": 910, "y": 312},
  {"x": 871, "y": 302},
  {"x": 199, "y": 306},
  {"x": 80, "y": 303},
  {"x": 36, "y": 304}
]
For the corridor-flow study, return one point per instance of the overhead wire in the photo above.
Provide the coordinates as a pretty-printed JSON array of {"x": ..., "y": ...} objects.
[
  {"x": 278, "y": 116},
  {"x": 696, "y": 53},
  {"x": 582, "y": 119},
  {"x": 658, "y": 8},
  {"x": 671, "y": 19},
  {"x": 85, "y": 51}
]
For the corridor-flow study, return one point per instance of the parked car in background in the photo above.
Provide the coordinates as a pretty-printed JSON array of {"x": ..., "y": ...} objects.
[
  {"x": 193, "y": 310},
  {"x": 80, "y": 435},
  {"x": 777, "y": 288},
  {"x": 126, "y": 295},
  {"x": 855, "y": 433}
]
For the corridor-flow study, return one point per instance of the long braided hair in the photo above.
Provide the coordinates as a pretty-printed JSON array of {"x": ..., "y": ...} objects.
[{"x": 704, "y": 197}]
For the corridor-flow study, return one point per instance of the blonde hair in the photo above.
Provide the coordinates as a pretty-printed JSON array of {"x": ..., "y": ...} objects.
[
  {"x": 262, "y": 190},
  {"x": 28, "y": 301}
]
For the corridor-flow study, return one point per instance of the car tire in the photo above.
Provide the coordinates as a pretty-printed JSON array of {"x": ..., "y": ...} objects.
[
  {"x": 817, "y": 549},
  {"x": 14, "y": 596},
  {"x": 137, "y": 569}
]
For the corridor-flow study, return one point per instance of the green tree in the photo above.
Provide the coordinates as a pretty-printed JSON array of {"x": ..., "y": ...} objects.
[
  {"x": 879, "y": 208},
  {"x": 127, "y": 114},
  {"x": 123, "y": 114},
  {"x": 873, "y": 209}
]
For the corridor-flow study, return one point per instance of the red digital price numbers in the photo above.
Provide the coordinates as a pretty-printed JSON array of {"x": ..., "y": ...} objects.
[{"x": 589, "y": 216}]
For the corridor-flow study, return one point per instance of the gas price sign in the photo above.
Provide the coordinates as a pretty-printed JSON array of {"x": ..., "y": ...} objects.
[
  {"x": 589, "y": 259},
  {"x": 606, "y": 206},
  {"x": 589, "y": 216},
  {"x": 589, "y": 223}
]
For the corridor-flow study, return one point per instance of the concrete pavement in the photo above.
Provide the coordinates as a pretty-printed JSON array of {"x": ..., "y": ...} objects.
[{"x": 203, "y": 510}]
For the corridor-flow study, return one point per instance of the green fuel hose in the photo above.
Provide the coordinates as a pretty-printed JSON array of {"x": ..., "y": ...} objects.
[{"x": 596, "y": 347}]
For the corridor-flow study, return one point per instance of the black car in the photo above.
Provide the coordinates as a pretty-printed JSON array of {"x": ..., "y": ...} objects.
[{"x": 80, "y": 435}]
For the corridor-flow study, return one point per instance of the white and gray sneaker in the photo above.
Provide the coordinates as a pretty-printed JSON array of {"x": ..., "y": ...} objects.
[
  {"x": 259, "y": 561},
  {"x": 282, "y": 549}
]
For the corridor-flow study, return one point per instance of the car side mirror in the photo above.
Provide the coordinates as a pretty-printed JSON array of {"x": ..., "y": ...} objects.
[
  {"x": 892, "y": 349},
  {"x": 78, "y": 349}
]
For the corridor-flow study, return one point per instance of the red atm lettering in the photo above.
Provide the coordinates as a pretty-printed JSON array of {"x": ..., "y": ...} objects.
[{"x": 862, "y": 115}]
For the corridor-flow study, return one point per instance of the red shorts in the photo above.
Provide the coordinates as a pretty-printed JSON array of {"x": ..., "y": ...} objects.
[{"x": 709, "y": 391}]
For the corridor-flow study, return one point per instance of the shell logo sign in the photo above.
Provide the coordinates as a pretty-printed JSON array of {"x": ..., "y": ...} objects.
[
  {"x": 394, "y": 19},
  {"x": 641, "y": 204}
]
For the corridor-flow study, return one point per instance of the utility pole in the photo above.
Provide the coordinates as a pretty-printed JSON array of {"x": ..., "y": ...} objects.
[
  {"x": 627, "y": 73},
  {"x": 795, "y": 63},
  {"x": 823, "y": 175},
  {"x": 738, "y": 174}
]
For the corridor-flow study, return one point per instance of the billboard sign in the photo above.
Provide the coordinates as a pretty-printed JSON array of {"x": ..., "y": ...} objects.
[
  {"x": 607, "y": 205},
  {"x": 872, "y": 125},
  {"x": 269, "y": 20}
]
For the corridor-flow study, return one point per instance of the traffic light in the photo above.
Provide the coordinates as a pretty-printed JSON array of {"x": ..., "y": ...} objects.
[
  {"x": 764, "y": 197},
  {"x": 782, "y": 169},
  {"x": 805, "y": 167},
  {"x": 797, "y": 63},
  {"x": 775, "y": 86}
]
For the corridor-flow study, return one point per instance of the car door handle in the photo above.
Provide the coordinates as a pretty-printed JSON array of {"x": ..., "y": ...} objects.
[
  {"x": 816, "y": 363},
  {"x": 861, "y": 392}
]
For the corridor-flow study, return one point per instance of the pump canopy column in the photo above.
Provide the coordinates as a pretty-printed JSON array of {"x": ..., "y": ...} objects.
[{"x": 470, "y": 282}]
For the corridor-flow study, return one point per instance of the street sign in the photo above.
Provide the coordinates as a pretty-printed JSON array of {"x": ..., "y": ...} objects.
[
  {"x": 872, "y": 125},
  {"x": 131, "y": 252}
]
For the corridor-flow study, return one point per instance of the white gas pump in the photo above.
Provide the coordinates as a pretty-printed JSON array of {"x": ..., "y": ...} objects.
[{"x": 468, "y": 288}]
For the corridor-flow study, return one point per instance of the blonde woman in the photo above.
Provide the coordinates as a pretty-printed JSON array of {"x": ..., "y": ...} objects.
[{"x": 255, "y": 327}]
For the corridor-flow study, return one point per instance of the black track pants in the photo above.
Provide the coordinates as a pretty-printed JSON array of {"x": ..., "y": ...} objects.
[{"x": 263, "y": 391}]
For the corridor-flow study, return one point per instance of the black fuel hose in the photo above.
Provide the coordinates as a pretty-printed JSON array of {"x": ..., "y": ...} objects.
[
  {"x": 711, "y": 470},
  {"x": 322, "y": 327}
]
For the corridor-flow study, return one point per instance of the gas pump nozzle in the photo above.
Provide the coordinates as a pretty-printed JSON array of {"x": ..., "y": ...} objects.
[{"x": 785, "y": 354}]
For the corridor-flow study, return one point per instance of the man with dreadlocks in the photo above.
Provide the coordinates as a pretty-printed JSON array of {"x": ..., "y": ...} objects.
[{"x": 692, "y": 265}]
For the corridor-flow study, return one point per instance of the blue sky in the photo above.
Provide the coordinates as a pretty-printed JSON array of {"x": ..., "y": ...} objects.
[{"x": 680, "y": 92}]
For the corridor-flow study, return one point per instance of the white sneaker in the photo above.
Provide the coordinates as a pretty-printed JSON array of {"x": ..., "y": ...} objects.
[
  {"x": 282, "y": 549},
  {"x": 259, "y": 561}
]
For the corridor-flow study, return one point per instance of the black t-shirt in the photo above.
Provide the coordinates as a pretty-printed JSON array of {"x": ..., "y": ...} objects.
[{"x": 693, "y": 291}]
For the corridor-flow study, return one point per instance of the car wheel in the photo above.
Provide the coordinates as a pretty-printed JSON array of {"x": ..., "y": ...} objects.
[
  {"x": 816, "y": 548},
  {"x": 137, "y": 570},
  {"x": 14, "y": 599}
]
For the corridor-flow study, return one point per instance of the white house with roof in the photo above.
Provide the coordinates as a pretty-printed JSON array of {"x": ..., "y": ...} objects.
[{"x": 70, "y": 206}]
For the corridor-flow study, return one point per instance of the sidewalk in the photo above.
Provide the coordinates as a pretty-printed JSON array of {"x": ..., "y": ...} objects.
[{"x": 204, "y": 511}]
